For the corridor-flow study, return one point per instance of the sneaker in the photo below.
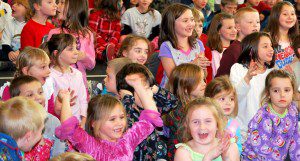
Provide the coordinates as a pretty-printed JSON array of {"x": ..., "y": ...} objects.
[{"x": 110, "y": 52}]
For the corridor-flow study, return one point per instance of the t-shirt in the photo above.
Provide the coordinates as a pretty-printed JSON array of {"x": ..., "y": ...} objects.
[
  {"x": 284, "y": 55},
  {"x": 141, "y": 23},
  {"x": 12, "y": 34}
]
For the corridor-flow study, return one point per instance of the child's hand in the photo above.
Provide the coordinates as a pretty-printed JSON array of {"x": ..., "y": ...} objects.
[
  {"x": 201, "y": 61},
  {"x": 124, "y": 92},
  {"x": 12, "y": 56},
  {"x": 64, "y": 95},
  {"x": 134, "y": 80},
  {"x": 220, "y": 149},
  {"x": 252, "y": 71},
  {"x": 81, "y": 55}
]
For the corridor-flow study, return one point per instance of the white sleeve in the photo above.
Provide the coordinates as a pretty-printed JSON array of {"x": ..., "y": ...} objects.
[
  {"x": 125, "y": 19},
  {"x": 7, "y": 34},
  {"x": 237, "y": 74},
  {"x": 157, "y": 18}
]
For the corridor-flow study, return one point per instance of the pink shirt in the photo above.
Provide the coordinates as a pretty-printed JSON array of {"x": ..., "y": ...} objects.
[{"x": 74, "y": 82}]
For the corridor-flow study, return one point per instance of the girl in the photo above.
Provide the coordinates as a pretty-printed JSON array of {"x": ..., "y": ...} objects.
[
  {"x": 63, "y": 53},
  {"x": 254, "y": 64},
  {"x": 105, "y": 21},
  {"x": 283, "y": 27},
  {"x": 296, "y": 67},
  {"x": 224, "y": 93},
  {"x": 273, "y": 131},
  {"x": 75, "y": 156},
  {"x": 141, "y": 20},
  {"x": 106, "y": 122},
  {"x": 12, "y": 30},
  {"x": 178, "y": 44},
  {"x": 221, "y": 32},
  {"x": 153, "y": 147},
  {"x": 135, "y": 48},
  {"x": 74, "y": 15},
  {"x": 202, "y": 134},
  {"x": 187, "y": 82}
]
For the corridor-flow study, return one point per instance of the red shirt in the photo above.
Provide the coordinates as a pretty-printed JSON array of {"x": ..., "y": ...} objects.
[
  {"x": 208, "y": 55},
  {"x": 34, "y": 33},
  {"x": 260, "y": 7}
]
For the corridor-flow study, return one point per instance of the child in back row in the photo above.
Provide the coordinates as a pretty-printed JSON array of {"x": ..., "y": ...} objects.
[
  {"x": 203, "y": 134},
  {"x": 224, "y": 93},
  {"x": 273, "y": 131},
  {"x": 37, "y": 28},
  {"x": 63, "y": 53},
  {"x": 21, "y": 126},
  {"x": 106, "y": 137}
]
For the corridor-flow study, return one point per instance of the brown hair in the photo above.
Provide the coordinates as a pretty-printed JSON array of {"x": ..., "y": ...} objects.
[
  {"x": 167, "y": 32},
  {"x": 226, "y": 2},
  {"x": 276, "y": 73},
  {"x": 129, "y": 41},
  {"x": 110, "y": 8},
  {"x": 28, "y": 58},
  {"x": 296, "y": 46},
  {"x": 205, "y": 102},
  {"x": 73, "y": 156},
  {"x": 219, "y": 85},
  {"x": 32, "y": 2},
  {"x": 20, "y": 115},
  {"x": 16, "y": 83},
  {"x": 99, "y": 109},
  {"x": 183, "y": 80},
  {"x": 273, "y": 23},
  {"x": 117, "y": 64},
  {"x": 214, "y": 41},
  {"x": 26, "y": 4},
  {"x": 198, "y": 15}
]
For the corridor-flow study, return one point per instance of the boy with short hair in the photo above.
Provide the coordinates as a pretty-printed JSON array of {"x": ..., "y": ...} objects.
[
  {"x": 36, "y": 29},
  {"x": 21, "y": 126},
  {"x": 229, "y": 6},
  {"x": 246, "y": 22}
]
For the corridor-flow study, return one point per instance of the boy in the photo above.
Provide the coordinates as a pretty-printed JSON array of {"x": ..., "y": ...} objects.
[
  {"x": 229, "y": 6},
  {"x": 201, "y": 5},
  {"x": 246, "y": 22},
  {"x": 21, "y": 126},
  {"x": 37, "y": 27}
]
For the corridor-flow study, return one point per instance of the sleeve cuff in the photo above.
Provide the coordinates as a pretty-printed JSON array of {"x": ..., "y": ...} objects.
[
  {"x": 67, "y": 128},
  {"x": 151, "y": 116}
]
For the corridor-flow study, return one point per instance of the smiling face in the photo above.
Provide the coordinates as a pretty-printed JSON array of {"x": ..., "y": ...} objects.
[
  {"x": 265, "y": 50},
  {"x": 227, "y": 31},
  {"x": 138, "y": 53},
  {"x": 226, "y": 101},
  {"x": 287, "y": 18},
  {"x": 185, "y": 24},
  {"x": 39, "y": 70},
  {"x": 281, "y": 94},
  {"x": 33, "y": 90},
  {"x": 112, "y": 127},
  {"x": 203, "y": 126}
]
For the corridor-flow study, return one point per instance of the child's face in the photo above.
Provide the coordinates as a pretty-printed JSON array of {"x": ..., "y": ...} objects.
[
  {"x": 112, "y": 128},
  {"x": 287, "y": 18},
  {"x": 39, "y": 70},
  {"x": 265, "y": 50},
  {"x": 248, "y": 23},
  {"x": 253, "y": 2},
  {"x": 61, "y": 12},
  {"x": 144, "y": 3},
  {"x": 229, "y": 8},
  {"x": 32, "y": 138},
  {"x": 200, "y": 4},
  {"x": 110, "y": 80},
  {"x": 226, "y": 101},
  {"x": 185, "y": 24},
  {"x": 203, "y": 126},
  {"x": 18, "y": 11},
  {"x": 48, "y": 7},
  {"x": 271, "y": 3},
  {"x": 199, "y": 27},
  {"x": 138, "y": 53},
  {"x": 33, "y": 90},
  {"x": 227, "y": 31},
  {"x": 199, "y": 91},
  {"x": 281, "y": 93},
  {"x": 68, "y": 56}
]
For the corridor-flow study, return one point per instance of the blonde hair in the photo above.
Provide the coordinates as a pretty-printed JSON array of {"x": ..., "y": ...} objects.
[
  {"x": 240, "y": 13},
  {"x": 20, "y": 115},
  {"x": 198, "y": 15},
  {"x": 117, "y": 64},
  {"x": 28, "y": 58},
  {"x": 205, "y": 102},
  {"x": 219, "y": 85},
  {"x": 73, "y": 156},
  {"x": 26, "y": 4}
]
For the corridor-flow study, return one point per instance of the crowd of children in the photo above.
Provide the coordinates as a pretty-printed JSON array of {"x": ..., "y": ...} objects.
[{"x": 204, "y": 80}]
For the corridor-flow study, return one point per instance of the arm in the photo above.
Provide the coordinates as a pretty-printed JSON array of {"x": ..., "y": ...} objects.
[
  {"x": 237, "y": 80},
  {"x": 165, "y": 100},
  {"x": 89, "y": 61},
  {"x": 126, "y": 30},
  {"x": 232, "y": 154},
  {"x": 168, "y": 65},
  {"x": 182, "y": 154}
]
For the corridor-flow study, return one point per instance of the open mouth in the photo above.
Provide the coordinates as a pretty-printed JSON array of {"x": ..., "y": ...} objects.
[
  {"x": 203, "y": 135},
  {"x": 118, "y": 130}
]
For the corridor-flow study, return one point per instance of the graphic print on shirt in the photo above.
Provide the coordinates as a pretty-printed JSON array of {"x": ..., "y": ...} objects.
[
  {"x": 141, "y": 26},
  {"x": 284, "y": 56}
]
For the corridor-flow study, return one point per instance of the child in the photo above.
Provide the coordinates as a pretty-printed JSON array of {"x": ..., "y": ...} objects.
[
  {"x": 229, "y": 6},
  {"x": 141, "y": 20},
  {"x": 5, "y": 15},
  {"x": 178, "y": 43},
  {"x": 283, "y": 27},
  {"x": 63, "y": 53},
  {"x": 273, "y": 131},
  {"x": 200, "y": 5},
  {"x": 105, "y": 138},
  {"x": 296, "y": 67},
  {"x": 260, "y": 6},
  {"x": 75, "y": 22},
  {"x": 202, "y": 134},
  {"x": 254, "y": 64},
  {"x": 224, "y": 93},
  {"x": 153, "y": 147},
  {"x": 21, "y": 126},
  {"x": 136, "y": 48},
  {"x": 106, "y": 22},
  {"x": 30, "y": 87},
  {"x": 74, "y": 156},
  {"x": 246, "y": 22},
  {"x": 222, "y": 31},
  {"x": 113, "y": 67},
  {"x": 12, "y": 30},
  {"x": 187, "y": 82},
  {"x": 37, "y": 28}
]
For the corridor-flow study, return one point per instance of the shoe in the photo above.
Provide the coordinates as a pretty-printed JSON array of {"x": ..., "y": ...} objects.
[{"x": 110, "y": 52}]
